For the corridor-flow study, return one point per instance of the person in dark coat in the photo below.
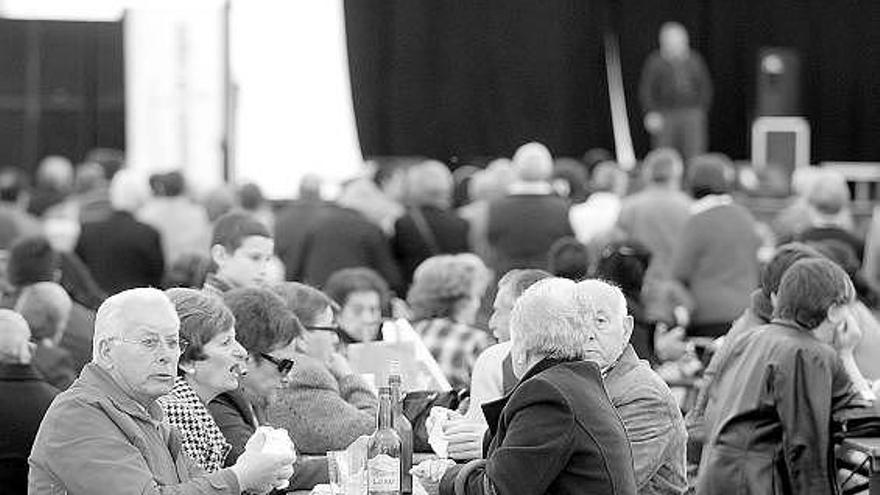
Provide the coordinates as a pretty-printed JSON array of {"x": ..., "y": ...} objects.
[
  {"x": 525, "y": 223},
  {"x": 294, "y": 222},
  {"x": 344, "y": 238},
  {"x": 772, "y": 433},
  {"x": 25, "y": 399},
  {"x": 429, "y": 227},
  {"x": 121, "y": 252},
  {"x": 557, "y": 432}
]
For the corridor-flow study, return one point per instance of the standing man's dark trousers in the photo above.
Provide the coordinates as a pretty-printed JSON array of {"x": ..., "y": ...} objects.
[{"x": 683, "y": 130}]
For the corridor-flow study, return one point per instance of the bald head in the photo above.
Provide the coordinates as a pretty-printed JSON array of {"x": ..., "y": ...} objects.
[
  {"x": 532, "y": 162},
  {"x": 131, "y": 310},
  {"x": 56, "y": 172},
  {"x": 14, "y": 338}
]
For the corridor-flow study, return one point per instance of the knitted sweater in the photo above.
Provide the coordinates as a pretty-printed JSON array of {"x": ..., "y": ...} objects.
[{"x": 320, "y": 412}]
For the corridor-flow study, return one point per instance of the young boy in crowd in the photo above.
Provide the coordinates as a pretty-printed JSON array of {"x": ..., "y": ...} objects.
[{"x": 241, "y": 248}]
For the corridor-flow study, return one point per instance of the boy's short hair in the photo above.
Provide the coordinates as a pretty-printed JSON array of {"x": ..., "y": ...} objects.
[{"x": 234, "y": 227}]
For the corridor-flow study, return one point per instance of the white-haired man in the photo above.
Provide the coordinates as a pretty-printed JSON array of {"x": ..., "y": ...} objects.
[
  {"x": 524, "y": 224},
  {"x": 106, "y": 434},
  {"x": 654, "y": 424}
]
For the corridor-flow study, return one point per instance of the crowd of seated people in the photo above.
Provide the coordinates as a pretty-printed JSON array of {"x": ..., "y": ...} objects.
[{"x": 166, "y": 332}]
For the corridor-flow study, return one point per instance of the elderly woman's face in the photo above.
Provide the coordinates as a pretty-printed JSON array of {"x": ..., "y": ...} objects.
[
  {"x": 263, "y": 377},
  {"x": 608, "y": 333},
  {"x": 143, "y": 359},
  {"x": 223, "y": 364},
  {"x": 361, "y": 315}
]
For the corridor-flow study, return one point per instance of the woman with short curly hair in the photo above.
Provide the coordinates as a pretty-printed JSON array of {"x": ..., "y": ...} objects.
[{"x": 444, "y": 298}]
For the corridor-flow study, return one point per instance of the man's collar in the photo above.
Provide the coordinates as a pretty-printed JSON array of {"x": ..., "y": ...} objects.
[
  {"x": 530, "y": 188},
  {"x": 95, "y": 376},
  {"x": 627, "y": 361}
]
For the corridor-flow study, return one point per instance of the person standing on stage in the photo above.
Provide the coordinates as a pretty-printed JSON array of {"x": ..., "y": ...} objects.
[{"x": 675, "y": 93}]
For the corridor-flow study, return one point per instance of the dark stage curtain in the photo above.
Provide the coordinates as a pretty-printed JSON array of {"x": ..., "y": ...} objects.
[{"x": 480, "y": 77}]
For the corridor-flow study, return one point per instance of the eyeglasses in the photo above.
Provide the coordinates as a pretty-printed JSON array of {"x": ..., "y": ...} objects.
[
  {"x": 284, "y": 365},
  {"x": 150, "y": 343}
]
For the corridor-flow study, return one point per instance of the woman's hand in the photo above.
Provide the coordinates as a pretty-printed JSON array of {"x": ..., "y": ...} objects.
[{"x": 430, "y": 472}]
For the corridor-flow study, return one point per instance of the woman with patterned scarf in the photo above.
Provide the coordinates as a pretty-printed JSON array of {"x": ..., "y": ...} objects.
[{"x": 211, "y": 364}]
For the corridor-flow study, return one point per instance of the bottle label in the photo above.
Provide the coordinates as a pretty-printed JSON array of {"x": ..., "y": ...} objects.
[{"x": 383, "y": 473}]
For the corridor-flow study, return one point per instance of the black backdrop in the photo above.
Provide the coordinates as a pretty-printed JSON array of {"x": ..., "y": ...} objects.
[{"x": 473, "y": 78}]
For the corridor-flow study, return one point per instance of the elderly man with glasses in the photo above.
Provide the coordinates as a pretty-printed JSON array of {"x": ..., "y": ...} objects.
[{"x": 106, "y": 434}]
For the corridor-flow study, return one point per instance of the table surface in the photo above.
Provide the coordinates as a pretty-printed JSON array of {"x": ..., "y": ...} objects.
[{"x": 417, "y": 458}]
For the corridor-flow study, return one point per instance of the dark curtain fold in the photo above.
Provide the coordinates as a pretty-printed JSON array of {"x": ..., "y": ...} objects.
[{"x": 478, "y": 78}]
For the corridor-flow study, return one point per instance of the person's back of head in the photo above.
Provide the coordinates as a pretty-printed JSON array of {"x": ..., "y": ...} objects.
[
  {"x": 250, "y": 197},
  {"x": 13, "y": 185},
  {"x": 624, "y": 264},
  {"x": 56, "y": 173},
  {"x": 188, "y": 270},
  {"x": 32, "y": 260},
  {"x": 89, "y": 177},
  {"x": 110, "y": 160},
  {"x": 46, "y": 308},
  {"x": 444, "y": 286},
  {"x": 710, "y": 174},
  {"x": 520, "y": 279},
  {"x": 306, "y": 302},
  {"x": 828, "y": 195},
  {"x": 533, "y": 162},
  {"x": 608, "y": 177},
  {"x": 218, "y": 202},
  {"x": 15, "y": 338},
  {"x": 263, "y": 323},
  {"x": 568, "y": 258},
  {"x": 810, "y": 291},
  {"x": 430, "y": 183},
  {"x": 170, "y": 185},
  {"x": 674, "y": 39},
  {"x": 663, "y": 166},
  {"x": 129, "y": 191},
  {"x": 785, "y": 256}
]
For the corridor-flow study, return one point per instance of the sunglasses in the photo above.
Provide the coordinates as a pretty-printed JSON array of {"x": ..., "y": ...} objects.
[{"x": 283, "y": 365}]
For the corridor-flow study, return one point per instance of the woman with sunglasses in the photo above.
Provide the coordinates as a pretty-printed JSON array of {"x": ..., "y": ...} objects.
[
  {"x": 326, "y": 406},
  {"x": 266, "y": 329}
]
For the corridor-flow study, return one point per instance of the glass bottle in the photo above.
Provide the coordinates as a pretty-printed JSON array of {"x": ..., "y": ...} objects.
[
  {"x": 403, "y": 428},
  {"x": 383, "y": 452}
]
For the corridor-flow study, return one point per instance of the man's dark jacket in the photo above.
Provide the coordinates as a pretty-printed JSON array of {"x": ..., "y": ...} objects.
[
  {"x": 24, "y": 399},
  {"x": 556, "y": 433}
]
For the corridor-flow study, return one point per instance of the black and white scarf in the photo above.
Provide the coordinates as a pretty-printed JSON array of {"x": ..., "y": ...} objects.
[{"x": 201, "y": 437}]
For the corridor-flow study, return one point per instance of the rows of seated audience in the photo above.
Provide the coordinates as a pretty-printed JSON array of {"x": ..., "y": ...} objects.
[{"x": 644, "y": 325}]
